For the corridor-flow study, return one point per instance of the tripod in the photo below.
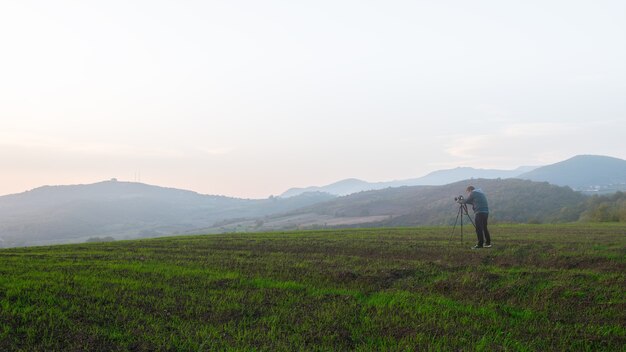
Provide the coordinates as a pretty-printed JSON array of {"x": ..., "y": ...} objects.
[{"x": 459, "y": 215}]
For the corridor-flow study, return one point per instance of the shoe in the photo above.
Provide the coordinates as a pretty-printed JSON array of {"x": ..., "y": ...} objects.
[
  {"x": 477, "y": 247},
  {"x": 488, "y": 245}
]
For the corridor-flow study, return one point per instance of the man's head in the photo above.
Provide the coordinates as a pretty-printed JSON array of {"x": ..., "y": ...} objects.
[{"x": 469, "y": 189}]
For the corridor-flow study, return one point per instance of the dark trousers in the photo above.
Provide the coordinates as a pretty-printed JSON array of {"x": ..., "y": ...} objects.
[{"x": 481, "y": 228}]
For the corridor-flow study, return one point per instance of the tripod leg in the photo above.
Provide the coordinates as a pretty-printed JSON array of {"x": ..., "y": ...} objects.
[
  {"x": 470, "y": 219},
  {"x": 461, "y": 211},
  {"x": 458, "y": 214}
]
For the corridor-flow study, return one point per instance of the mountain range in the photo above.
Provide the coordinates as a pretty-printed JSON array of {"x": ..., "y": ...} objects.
[
  {"x": 435, "y": 178},
  {"x": 77, "y": 213},
  {"x": 586, "y": 173}
]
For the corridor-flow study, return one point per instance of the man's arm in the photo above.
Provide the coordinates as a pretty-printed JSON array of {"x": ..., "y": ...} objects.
[{"x": 469, "y": 199}]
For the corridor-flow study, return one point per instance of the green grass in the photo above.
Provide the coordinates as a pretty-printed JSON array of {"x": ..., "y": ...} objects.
[{"x": 541, "y": 288}]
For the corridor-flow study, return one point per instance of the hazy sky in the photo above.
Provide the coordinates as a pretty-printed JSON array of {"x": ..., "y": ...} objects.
[{"x": 250, "y": 98}]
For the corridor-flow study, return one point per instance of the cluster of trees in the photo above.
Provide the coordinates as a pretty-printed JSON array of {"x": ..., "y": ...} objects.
[{"x": 606, "y": 208}]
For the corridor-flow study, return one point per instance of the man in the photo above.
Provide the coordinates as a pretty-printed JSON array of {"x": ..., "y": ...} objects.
[{"x": 478, "y": 200}]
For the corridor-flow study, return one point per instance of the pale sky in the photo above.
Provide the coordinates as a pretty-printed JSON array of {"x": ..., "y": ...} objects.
[{"x": 250, "y": 98}]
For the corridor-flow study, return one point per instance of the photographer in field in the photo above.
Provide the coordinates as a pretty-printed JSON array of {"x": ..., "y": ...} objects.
[{"x": 478, "y": 200}]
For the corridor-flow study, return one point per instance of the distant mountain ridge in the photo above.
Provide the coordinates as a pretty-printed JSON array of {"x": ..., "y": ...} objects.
[
  {"x": 340, "y": 188},
  {"x": 435, "y": 178},
  {"x": 586, "y": 173}
]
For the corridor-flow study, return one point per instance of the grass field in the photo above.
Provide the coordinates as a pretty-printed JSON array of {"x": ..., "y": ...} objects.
[{"x": 540, "y": 288}]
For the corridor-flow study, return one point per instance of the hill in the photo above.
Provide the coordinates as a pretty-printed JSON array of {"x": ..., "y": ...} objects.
[
  {"x": 341, "y": 188},
  {"x": 62, "y": 214},
  {"x": 511, "y": 200},
  {"x": 540, "y": 288},
  {"x": 591, "y": 173}
]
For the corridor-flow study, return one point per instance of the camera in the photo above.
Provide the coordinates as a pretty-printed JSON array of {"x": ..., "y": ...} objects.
[{"x": 458, "y": 199}]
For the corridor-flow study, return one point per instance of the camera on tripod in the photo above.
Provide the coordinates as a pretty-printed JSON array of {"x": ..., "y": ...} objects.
[{"x": 462, "y": 212}]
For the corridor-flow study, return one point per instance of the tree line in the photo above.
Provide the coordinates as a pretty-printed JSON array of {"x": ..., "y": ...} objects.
[{"x": 605, "y": 208}]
